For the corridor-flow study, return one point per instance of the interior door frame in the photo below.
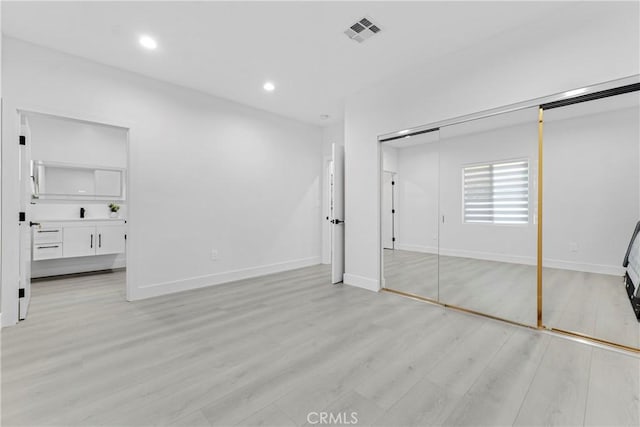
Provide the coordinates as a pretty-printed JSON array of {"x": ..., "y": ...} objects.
[
  {"x": 380, "y": 181},
  {"x": 326, "y": 210},
  {"x": 10, "y": 203},
  {"x": 24, "y": 224}
]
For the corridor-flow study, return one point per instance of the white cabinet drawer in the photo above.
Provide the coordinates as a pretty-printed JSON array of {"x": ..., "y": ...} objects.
[
  {"x": 47, "y": 235},
  {"x": 47, "y": 251}
]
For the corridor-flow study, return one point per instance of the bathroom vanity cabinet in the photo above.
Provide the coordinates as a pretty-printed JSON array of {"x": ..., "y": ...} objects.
[{"x": 78, "y": 238}]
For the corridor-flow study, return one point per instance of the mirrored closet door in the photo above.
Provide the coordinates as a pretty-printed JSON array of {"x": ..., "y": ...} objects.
[
  {"x": 409, "y": 214},
  {"x": 591, "y": 208},
  {"x": 462, "y": 224},
  {"x": 487, "y": 222}
]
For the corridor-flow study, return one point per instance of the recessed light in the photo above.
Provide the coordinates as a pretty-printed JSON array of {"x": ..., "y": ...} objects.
[
  {"x": 269, "y": 87},
  {"x": 575, "y": 92},
  {"x": 148, "y": 42}
]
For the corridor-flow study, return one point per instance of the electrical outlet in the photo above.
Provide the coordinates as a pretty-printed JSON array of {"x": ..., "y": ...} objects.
[
  {"x": 214, "y": 255},
  {"x": 573, "y": 247}
]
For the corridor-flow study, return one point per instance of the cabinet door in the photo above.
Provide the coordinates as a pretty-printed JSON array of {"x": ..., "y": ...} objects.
[
  {"x": 78, "y": 241},
  {"x": 110, "y": 239}
]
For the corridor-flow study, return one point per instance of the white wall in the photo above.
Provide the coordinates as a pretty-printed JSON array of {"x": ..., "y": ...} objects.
[
  {"x": 45, "y": 210},
  {"x": 1, "y": 179},
  {"x": 591, "y": 190},
  {"x": 60, "y": 266},
  {"x": 69, "y": 141},
  {"x": 601, "y": 44},
  {"x": 204, "y": 174},
  {"x": 389, "y": 159}
]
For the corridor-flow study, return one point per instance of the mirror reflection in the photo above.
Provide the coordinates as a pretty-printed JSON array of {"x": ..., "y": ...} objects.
[
  {"x": 488, "y": 229},
  {"x": 410, "y": 214},
  {"x": 591, "y": 208},
  {"x": 51, "y": 180},
  {"x": 460, "y": 212}
]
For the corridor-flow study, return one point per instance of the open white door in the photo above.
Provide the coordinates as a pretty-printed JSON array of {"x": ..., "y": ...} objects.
[
  {"x": 388, "y": 211},
  {"x": 337, "y": 214},
  {"x": 24, "y": 278}
]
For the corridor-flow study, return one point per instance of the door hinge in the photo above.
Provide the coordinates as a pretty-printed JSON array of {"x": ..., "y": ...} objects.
[
  {"x": 22, "y": 216},
  {"x": 21, "y": 293},
  {"x": 23, "y": 140},
  {"x": 393, "y": 183},
  {"x": 125, "y": 237},
  {"x": 393, "y": 211},
  {"x": 393, "y": 239}
]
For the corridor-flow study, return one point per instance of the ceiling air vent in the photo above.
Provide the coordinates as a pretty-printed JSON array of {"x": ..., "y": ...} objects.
[{"x": 362, "y": 30}]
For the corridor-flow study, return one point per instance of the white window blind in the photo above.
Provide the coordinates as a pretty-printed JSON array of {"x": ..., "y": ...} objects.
[{"x": 497, "y": 193}]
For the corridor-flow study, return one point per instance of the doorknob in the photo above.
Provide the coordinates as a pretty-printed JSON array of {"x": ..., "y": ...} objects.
[{"x": 336, "y": 221}]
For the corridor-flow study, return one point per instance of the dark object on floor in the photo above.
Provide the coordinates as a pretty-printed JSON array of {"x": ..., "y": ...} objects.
[{"x": 632, "y": 276}]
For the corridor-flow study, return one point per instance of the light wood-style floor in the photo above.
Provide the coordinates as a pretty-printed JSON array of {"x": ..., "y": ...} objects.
[
  {"x": 592, "y": 304},
  {"x": 268, "y": 351}
]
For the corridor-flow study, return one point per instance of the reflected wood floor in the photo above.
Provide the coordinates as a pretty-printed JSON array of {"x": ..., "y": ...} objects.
[
  {"x": 592, "y": 304},
  {"x": 269, "y": 350}
]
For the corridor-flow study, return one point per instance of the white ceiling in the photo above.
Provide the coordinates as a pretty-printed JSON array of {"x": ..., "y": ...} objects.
[{"x": 230, "y": 49}]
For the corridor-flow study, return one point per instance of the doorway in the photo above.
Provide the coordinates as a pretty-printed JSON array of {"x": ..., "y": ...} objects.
[{"x": 73, "y": 202}]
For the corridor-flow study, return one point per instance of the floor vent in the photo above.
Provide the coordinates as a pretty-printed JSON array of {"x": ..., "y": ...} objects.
[{"x": 362, "y": 30}]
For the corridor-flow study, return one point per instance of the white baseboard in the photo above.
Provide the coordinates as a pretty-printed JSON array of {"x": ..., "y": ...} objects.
[
  {"x": 361, "y": 282},
  {"x": 417, "y": 248},
  {"x": 164, "y": 288},
  {"x": 59, "y": 266},
  {"x": 612, "y": 270},
  {"x": 489, "y": 256}
]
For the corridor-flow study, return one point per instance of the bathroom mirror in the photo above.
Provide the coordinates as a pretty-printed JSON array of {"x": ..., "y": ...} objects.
[{"x": 58, "y": 181}]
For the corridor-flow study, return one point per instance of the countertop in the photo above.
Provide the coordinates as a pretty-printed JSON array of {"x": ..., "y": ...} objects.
[{"x": 78, "y": 219}]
